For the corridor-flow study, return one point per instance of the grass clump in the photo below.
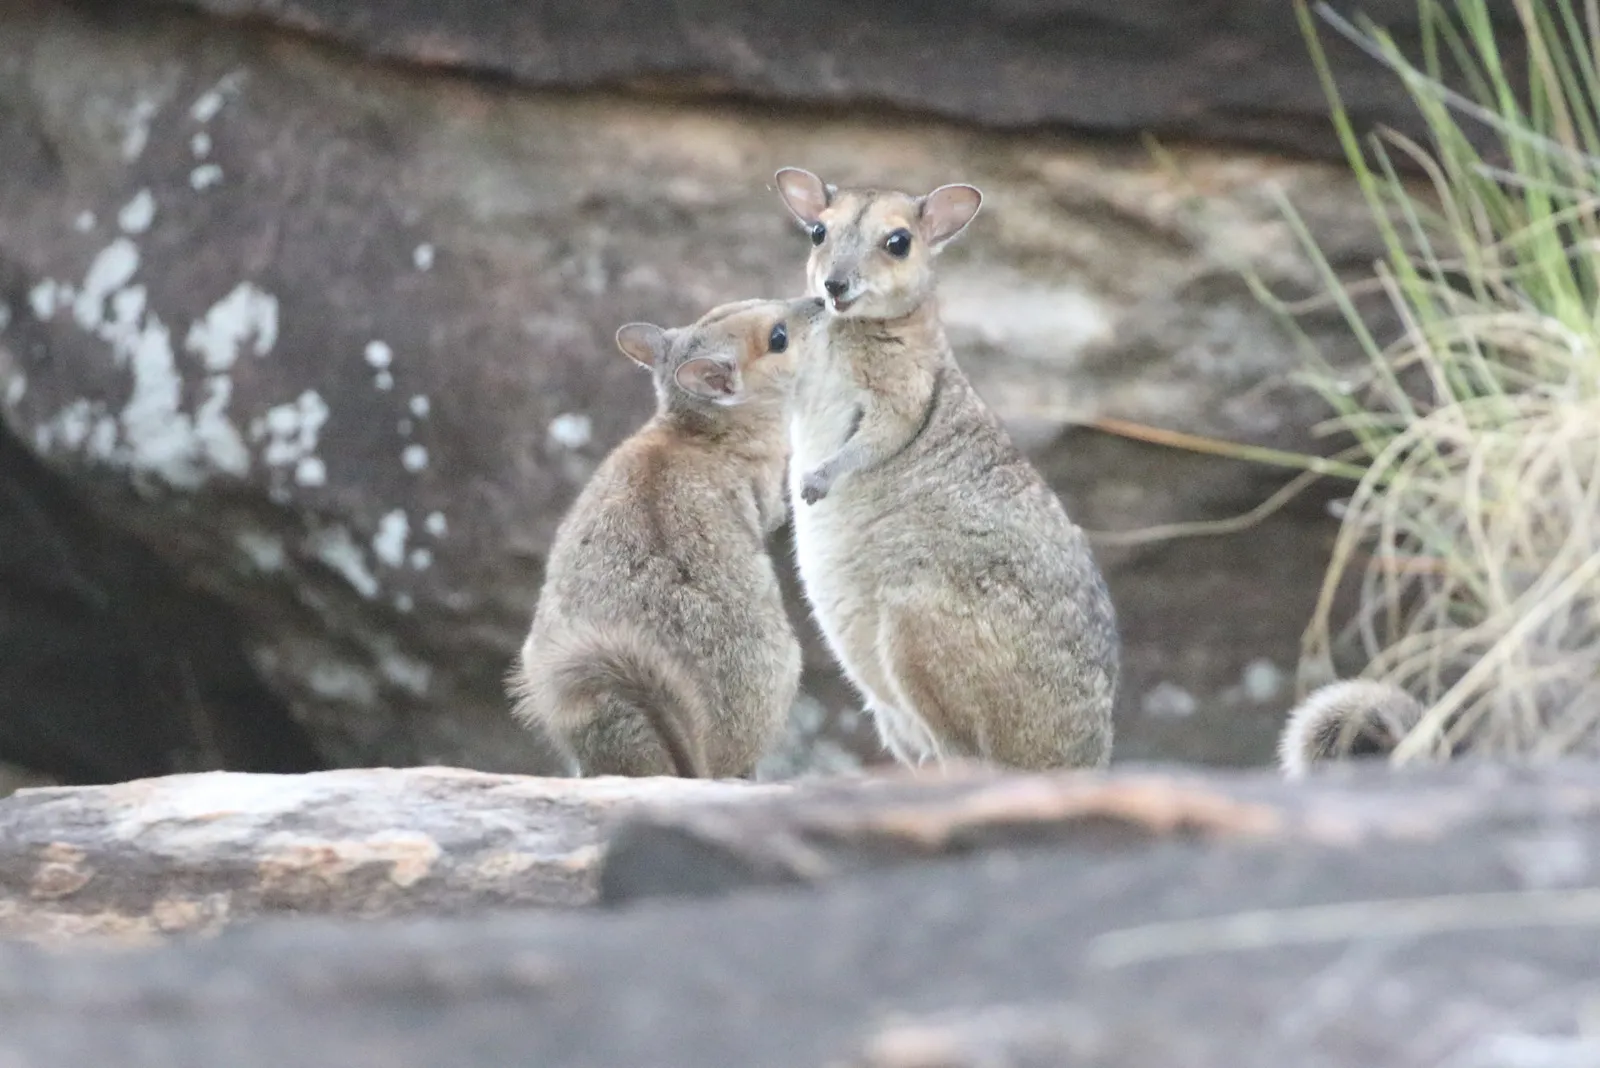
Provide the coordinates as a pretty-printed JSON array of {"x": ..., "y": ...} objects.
[{"x": 1472, "y": 537}]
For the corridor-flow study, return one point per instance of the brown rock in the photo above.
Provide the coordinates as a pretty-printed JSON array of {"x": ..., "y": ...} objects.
[
  {"x": 333, "y": 341},
  {"x": 1235, "y": 71},
  {"x": 822, "y": 832},
  {"x": 1469, "y": 943},
  {"x": 197, "y": 853}
]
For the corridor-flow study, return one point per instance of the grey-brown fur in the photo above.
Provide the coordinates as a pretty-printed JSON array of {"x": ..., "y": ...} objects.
[
  {"x": 944, "y": 572},
  {"x": 660, "y": 644},
  {"x": 1348, "y": 720}
]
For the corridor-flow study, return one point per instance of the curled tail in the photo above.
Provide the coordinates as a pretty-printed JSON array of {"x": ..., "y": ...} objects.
[
  {"x": 1351, "y": 718},
  {"x": 617, "y": 700}
]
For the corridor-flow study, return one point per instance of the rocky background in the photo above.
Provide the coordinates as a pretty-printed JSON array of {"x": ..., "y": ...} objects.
[{"x": 306, "y": 311}]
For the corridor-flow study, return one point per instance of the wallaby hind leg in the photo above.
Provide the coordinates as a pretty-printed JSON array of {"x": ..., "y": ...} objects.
[
  {"x": 914, "y": 652},
  {"x": 905, "y": 737},
  {"x": 621, "y": 741}
]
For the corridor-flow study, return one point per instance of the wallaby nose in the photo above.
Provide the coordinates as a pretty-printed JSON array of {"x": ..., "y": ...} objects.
[{"x": 836, "y": 287}]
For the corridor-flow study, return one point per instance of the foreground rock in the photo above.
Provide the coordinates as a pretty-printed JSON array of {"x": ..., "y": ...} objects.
[
  {"x": 196, "y": 853},
  {"x": 1469, "y": 943},
  {"x": 333, "y": 339},
  {"x": 826, "y": 831}
]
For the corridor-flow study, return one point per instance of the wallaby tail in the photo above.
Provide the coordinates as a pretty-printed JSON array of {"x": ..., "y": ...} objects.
[
  {"x": 1350, "y": 718},
  {"x": 614, "y": 695}
]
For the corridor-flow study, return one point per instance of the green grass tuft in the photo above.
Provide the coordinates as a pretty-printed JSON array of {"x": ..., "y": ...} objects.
[{"x": 1473, "y": 532}]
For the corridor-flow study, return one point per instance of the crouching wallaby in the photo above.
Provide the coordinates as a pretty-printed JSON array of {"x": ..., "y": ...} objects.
[
  {"x": 660, "y": 644},
  {"x": 943, "y": 571}
]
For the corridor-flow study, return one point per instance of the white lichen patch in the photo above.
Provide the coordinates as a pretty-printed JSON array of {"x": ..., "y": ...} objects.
[
  {"x": 414, "y": 458},
  {"x": 335, "y": 548},
  {"x": 152, "y": 433},
  {"x": 200, "y": 145},
  {"x": 16, "y": 389},
  {"x": 341, "y": 682},
  {"x": 205, "y": 176},
  {"x": 422, "y": 257},
  {"x": 406, "y": 673},
  {"x": 219, "y": 439},
  {"x": 44, "y": 298},
  {"x": 383, "y": 380},
  {"x": 378, "y": 354},
  {"x": 571, "y": 430},
  {"x": 264, "y": 551},
  {"x": 421, "y": 559},
  {"x": 137, "y": 214},
  {"x": 311, "y": 471},
  {"x": 247, "y": 315},
  {"x": 1263, "y": 680},
  {"x": 389, "y": 543},
  {"x": 291, "y": 429},
  {"x": 436, "y": 524},
  {"x": 84, "y": 222},
  {"x": 210, "y": 103},
  {"x": 1167, "y": 700},
  {"x": 113, "y": 268},
  {"x": 419, "y": 406},
  {"x": 135, "y": 126}
]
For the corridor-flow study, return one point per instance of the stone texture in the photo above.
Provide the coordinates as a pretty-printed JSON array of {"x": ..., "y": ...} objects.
[
  {"x": 1230, "y": 70},
  {"x": 826, "y": 831},
  {"x": 192, "y": 854},
  {"x": 1465, "y": 944},
  {"x": 332, "y": 340}
]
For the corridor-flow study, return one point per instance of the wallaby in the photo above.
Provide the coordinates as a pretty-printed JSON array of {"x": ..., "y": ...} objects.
[
  {"x": 943, "y": 571},
  {"x": 660, "y": 644}
]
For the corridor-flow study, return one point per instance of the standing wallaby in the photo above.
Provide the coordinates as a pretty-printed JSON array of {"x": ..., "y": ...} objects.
[
  {"x": 660, "y": 644},
  {"x": 943, "y": 571}
]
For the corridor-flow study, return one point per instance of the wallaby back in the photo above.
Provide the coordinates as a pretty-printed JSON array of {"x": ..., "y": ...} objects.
[{"x": 660, "y": 643}]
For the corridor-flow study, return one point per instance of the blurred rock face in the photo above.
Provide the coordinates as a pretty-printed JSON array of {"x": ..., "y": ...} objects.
[{"x": 330, "y": 341}]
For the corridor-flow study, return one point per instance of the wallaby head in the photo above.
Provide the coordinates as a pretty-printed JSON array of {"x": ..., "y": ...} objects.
[
  {"x": 734, "y": 354},
  {"x": 873, "y": 250}
]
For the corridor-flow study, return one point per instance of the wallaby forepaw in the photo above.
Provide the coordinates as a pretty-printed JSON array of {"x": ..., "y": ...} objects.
[{"x": 814, "y": 486}]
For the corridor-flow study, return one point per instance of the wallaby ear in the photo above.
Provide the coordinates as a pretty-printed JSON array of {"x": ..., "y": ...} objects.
[
  {"x": 709, "y": 377},
  {"x": 643, "y": 343},
  {"x": 804, "y": 193},
  {"x": 946, "y": 212}
]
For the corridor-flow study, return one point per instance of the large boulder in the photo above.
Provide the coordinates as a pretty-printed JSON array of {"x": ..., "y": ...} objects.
[
  {"x": 1236, "y": 71},
  {"x": 330, "y": 340},
  {"x": 1345, "y": 939},
  {"x": 193, "y": 854}
]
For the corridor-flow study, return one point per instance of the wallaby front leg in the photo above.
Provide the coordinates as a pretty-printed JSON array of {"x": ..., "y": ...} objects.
[{"x": 880, "y": 431}]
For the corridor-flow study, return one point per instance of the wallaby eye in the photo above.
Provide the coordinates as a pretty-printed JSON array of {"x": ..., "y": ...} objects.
[
  {"x": 819, "y": 233},
  {"x": 778, "y": 340},
  {"x": 898, "y": 243}
]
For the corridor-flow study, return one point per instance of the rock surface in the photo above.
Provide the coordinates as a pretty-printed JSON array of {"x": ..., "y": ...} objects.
[
  {"x": 332, "y": 340},
  {"x": 192, "y": 854},
  {"x": 1464, "y": 944},
  {"x": 1233, "y": 71},
  {"x": 827, "y": 831}
]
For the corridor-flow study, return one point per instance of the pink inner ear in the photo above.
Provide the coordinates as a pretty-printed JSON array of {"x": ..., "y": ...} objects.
[
  {"x": 707, "y": 378},
  {"x": 804, "y": 192},
  {"x": 947, "y": 210}
]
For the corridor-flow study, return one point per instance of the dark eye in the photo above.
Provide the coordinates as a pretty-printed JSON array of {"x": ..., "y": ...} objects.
[
  {"x": 819, "y": 233},
  {"x": 778, "y": 340},
  {"x": 898, "y": 244}
]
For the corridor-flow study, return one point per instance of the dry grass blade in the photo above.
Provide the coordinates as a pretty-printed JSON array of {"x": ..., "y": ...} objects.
[{"x": 1479, "y": 426}]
